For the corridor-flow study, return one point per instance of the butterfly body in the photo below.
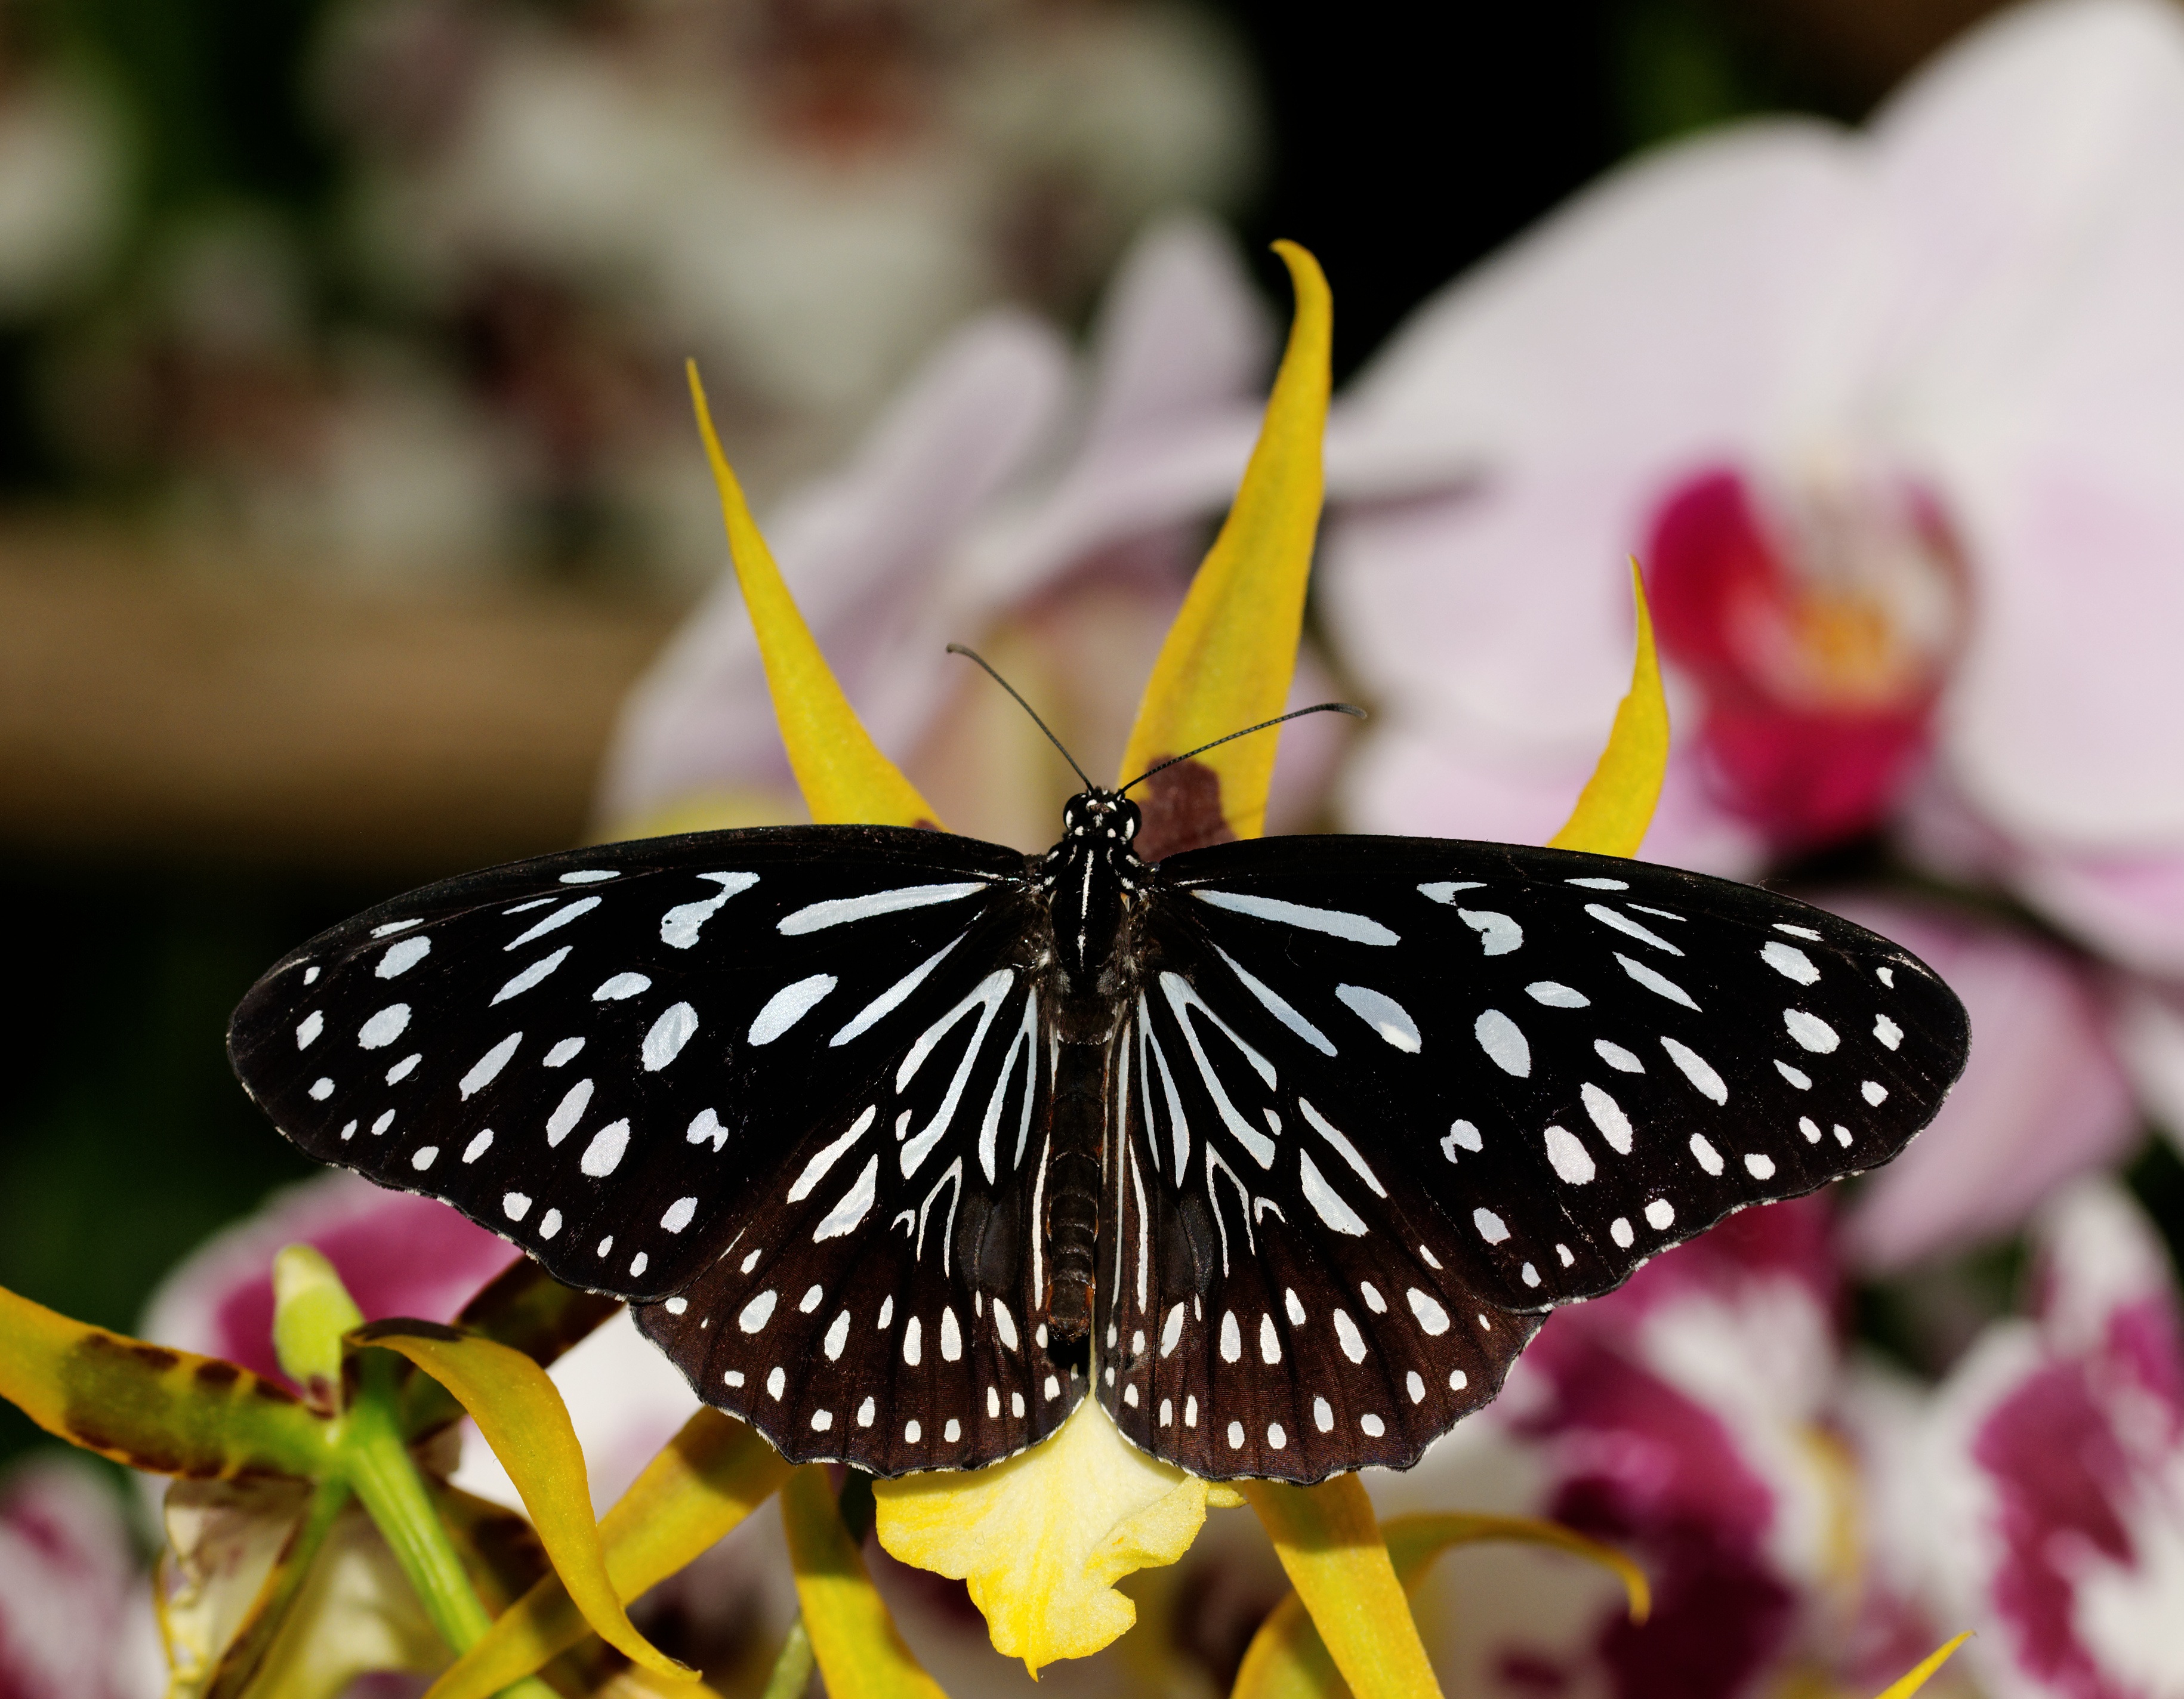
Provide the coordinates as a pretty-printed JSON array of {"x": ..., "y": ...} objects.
[{"x": 902, "y": 1144}]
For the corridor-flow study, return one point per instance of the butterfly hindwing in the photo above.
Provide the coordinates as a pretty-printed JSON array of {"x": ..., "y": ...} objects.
[{"x": 1388, "y": 1099}]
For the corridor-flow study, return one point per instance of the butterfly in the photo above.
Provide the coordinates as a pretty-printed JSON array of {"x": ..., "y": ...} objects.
[{"x": 902, "y": 1144}]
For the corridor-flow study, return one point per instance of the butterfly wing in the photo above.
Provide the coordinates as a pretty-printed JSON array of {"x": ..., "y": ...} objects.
[
  {"x": 780, "y": 1082},
  {"x": 1390, "y": 1100}
]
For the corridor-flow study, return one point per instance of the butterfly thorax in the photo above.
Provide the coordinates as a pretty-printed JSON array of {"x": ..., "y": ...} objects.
[{"x": 1090, "y": 879}]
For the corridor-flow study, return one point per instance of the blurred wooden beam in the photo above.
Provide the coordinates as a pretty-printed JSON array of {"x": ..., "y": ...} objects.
[{"x": 153, "y": 709}]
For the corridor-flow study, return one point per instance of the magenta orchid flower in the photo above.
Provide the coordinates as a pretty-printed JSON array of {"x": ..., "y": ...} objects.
[
  {"x": 75, "y": 1605},
  {"x": 2054, "y": 1470}
]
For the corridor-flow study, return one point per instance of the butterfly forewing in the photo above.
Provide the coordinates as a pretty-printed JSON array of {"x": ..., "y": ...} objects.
[{"x": 1377, "y": 1099}]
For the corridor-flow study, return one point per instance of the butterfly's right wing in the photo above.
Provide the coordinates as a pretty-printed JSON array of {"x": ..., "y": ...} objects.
[{"x": 780, "y": 1082}]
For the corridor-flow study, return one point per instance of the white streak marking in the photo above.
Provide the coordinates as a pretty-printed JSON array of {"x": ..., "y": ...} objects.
[
  {"x": 1431, "y": 1316},
  {"x": 384, "y": 1027},
  {"x": 677, "y": 1025},
  {"x": 1324, "y": 1199},
  {"x": 1608, "y": 1116},
  {"x": 1383, "y": 1014},
  {"x": 1556, "y": 996},
  {"x": 478, "y": 1146},
  {"x": 1629, "y": 928},
  {"x": 1799, "y": 930},
  {"x": 392, "y": 927},
  {"x": 568, "y": 1112},
  {"x": 816, "y": 1170},
  {"x": 841, "y": 910},
  {"x": 1708, "y": 1158},
  {"x": 403, "y": 1069},
  {"x": 1498, "y": 935},
  {"x": 1790, "y": 962},
  {"x": 789, "y": 1005},
  {"x": 1273, "y": 1002},
  {"x": 486, "y": 1069},
  {"x": 560, "y": 917},
  {"x": 679, "y": 926},
  {"x": 1600, "y": 884},
  {"x": 838, "y": 1337},
  {"x": 1171, "y": 1331},
  {"x": 309, "y": 1028},
  {"x": 1810, "y": 1128},
  {"x": 530, "y": 976},
  {"x": 1352, "y": 1341},
  {"x": 1005, "y": 1325},
  {"x": 1810, "y": 1031},
  {"x": 913, "y": 1341},
  {"x": 951, "y": 1336},
  {"x": 1696, "y": 1069},
  {"x": 622, "y": 988},
  {"x": 1656, "y": 983},
  {"x": 1334, "y": 922},
  {"x": 1445, "y": 892},
  {"x": 1231, "y": 1338},
  {"x": 855, "y": 1203},
  {"x": 1622, "y": 1060},
  {"x": 892, "y": 998},
  {"x": 1181, "y": 998},
  {"x": 1270, "y": 1342},
  {"x": 1343, "y": 1148},
  {"x": 401, "y": 957},
  {"x": 1797, "y": 1076}
]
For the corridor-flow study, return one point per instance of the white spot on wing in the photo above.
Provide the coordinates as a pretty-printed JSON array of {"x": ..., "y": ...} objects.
[
  {"x": 1660, "y": 1215},
  {"x": 1790, "y": 962},
  {"x": 1491, "y": 1227},
  {"x": 1622, "y": 1060},
  {"x": 1696, "y": 1069},
  {"x": 1810, "y": 1031},
  {"x": 1383, "y": 1014},
  {"x": 677, "y": 1025},
  {"x": 1659, "y": 984},
  {"x": 789, "y": 1005},
  {"x": 384, "y": 1027},
  {"x": 1504, "y": 1043},
  {"x": 1556, "y": 996},
  {"x": 1572, "y": 1162},
  {"x": 1606, "y": 1114},
  {"x": 1708, "y": 1158},
  {"x": 1759, "y": 1168},
  {"x": 1797, "y": 1076},
  {"x": 1431, "y": 1316},
  {"x": 622, "y": 987},
  {"x": 403, "y": 956},
  {"x": 679, "y": 1214},
  {"x": 486, "y": 1069},
  {"x": 1498, "y": 935},
  {"x": 532, "y": 975},
  {"x": 679, "y": 926},
  {"x": 1873, "y": 1092},
  {"x": 1887, "y": 1031},
  {"x": 1352, "y": 1341},
  {"x": 603, "y": 1156},
  {"x": 568, "y": 1112},
  {"x": 1445, "y": 891}
]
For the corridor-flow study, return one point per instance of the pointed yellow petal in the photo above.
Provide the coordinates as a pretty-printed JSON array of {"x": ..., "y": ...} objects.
[
  {"x": 861, "y": 1654},
  {"x": 520, "y": 1413},
  {"x": 844, "y": 779},
  {"x": 171, "y": 1413},
  {"x": 1229, "y": 655},
  {"x": 1287, "y": 1658},
  {"x": 1329, "y": 1543},
  {"x": 1617, "y": 803},
  {"x": 1044, "y": 1537},
  {"x": 709, "y": 1478},
  {"x": 1923, "y": 1673}
]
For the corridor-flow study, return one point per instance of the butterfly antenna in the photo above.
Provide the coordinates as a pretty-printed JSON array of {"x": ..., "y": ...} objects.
[
  {"x": 1350, "y": 708},
  {"x": 973, "y": 655}
]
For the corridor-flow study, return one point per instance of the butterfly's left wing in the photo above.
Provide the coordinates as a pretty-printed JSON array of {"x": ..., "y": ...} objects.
[{"x": 1381, "y": 1102}]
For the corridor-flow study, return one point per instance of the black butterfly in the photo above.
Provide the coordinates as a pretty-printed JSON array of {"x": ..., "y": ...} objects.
[{"x": 895, "y": 1137}]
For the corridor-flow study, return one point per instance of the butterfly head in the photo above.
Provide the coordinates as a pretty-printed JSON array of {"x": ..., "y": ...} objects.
[{"x": 1100, "y": 817}]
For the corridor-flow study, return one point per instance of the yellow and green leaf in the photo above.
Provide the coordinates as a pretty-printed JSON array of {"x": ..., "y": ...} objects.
[
  {"x": 844, "y": 779},
  {"x": 171, "y": 1413},
  {"x": 860, "y": 1652},
  {"x": 1617, "y": 803},
  {"x": 1230, "y": 655},
  {"x": 1287, "y": 1659},
  {"x": 707, "y": 1479},
  {"x": 519, "y": 1412}
]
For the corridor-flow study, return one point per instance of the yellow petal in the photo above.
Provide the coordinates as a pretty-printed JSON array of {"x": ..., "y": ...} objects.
[
  {"x": 170, "y": 1412},
  {"x": 1043, "y": 1538},
  {"x": 861, "y": 1654},
  {"x": 1617, "y": 803},
  {"x": 1329, "y": 1543},
  {"x": 520, "y": 1413},
  {"x": 1229, "y": 657},
  {"x": 1287, "y": 1659},
  {"x": 1923, "y": 1673},
  {"x": 844, "y": 779},
  {"x": 709, "y": 1478}
]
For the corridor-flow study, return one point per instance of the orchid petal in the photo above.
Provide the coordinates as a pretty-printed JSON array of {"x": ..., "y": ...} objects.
[
  {"x": 843, "y": 777},
  {"x": 714, "y": 1474},
  {"x": 1287, "y": 1658},
  {"x": 861, "y": 1653},
  {"x": 171, "y": 1413},
  {"x": 1230, "y": 654},
  {"x": 1043, "y": 1537},
  {"x": 522, "y": 1417},
  {"x": 311, "y": 1312},
  {"x": 1329, "y": 1543},
  {"x": 1617, "y": 803}
]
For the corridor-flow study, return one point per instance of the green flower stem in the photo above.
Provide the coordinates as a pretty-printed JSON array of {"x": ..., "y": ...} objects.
[
  {"x": 378, "y": 1465},
  {"x": 792, "y": 1669}
]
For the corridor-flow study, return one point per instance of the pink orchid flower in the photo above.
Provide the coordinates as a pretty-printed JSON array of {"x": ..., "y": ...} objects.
[
  {"x": 2054, "y": 1471},
  {"x": 75, "y": 1605},
  {"x": 1893, "y": 417}
]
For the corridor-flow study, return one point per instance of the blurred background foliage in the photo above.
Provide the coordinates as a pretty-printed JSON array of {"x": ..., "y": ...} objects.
[{"x": 275, "y": 313}]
